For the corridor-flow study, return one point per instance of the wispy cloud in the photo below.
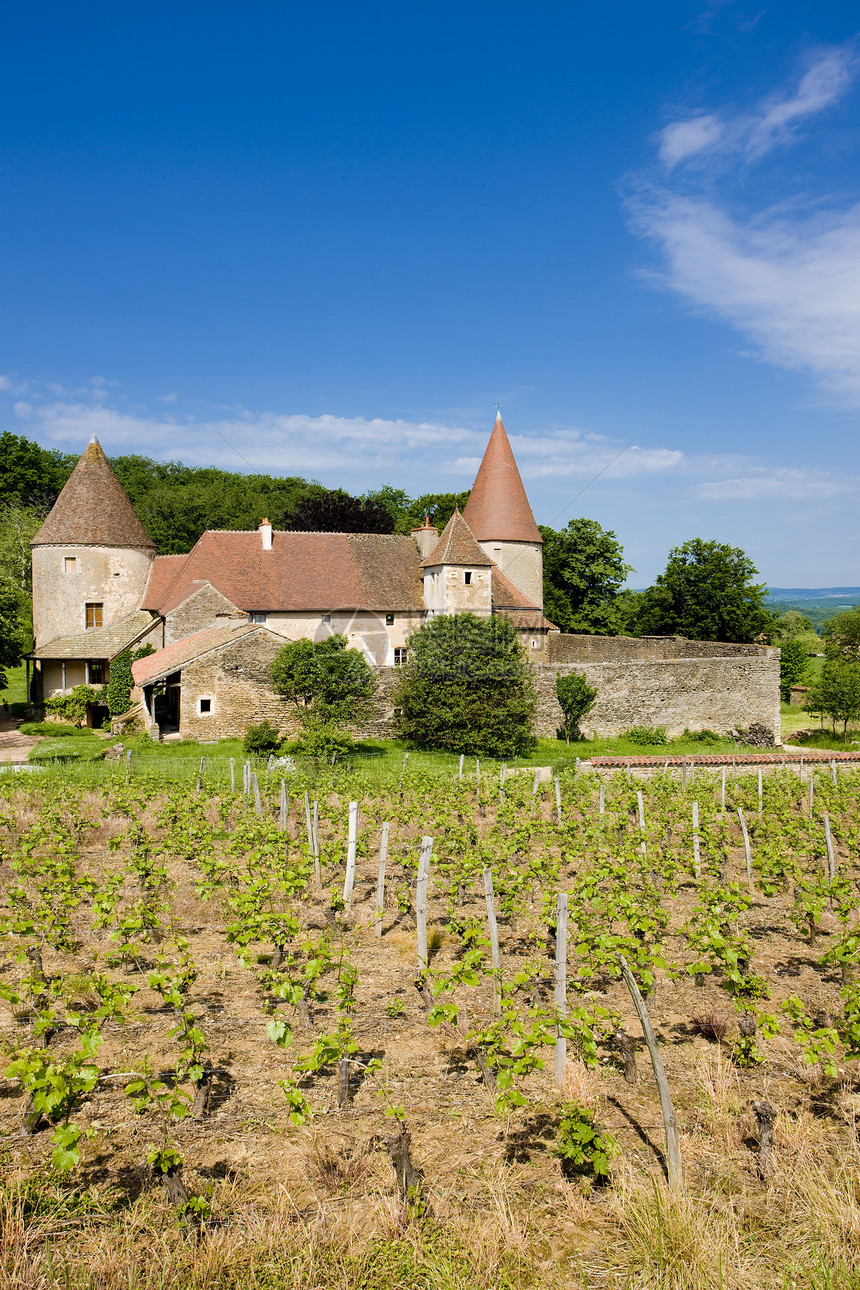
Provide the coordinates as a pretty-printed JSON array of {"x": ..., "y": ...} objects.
[
  {"x": 760, "y": 483},
  {"x": 787, "y": 276},
  {"x": 773, "y": 121}
]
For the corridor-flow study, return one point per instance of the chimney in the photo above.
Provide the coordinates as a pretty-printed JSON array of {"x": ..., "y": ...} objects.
[
  {"x": 426, "y": 537},
  {"x": 266, "y": 534}
]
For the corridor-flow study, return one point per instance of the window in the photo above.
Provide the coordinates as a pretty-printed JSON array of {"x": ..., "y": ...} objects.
[
  {"x": 468, "y": 577},
  {"x": 326, "y": 618},
  {"x": 70, "y": 564},
  {"x": 389, "y": 620},
  {"x": 400, "y": 656},
  {"x": 95, "y": 672},
  {"x": 256, "y": 617},
  {"x": 205, "y": 706},
  {"x": 94, "y": 613},
  {"x": 534, "y": 644}
]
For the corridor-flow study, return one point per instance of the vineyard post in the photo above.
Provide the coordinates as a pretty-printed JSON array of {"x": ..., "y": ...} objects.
[
  {"x": 269, "y": 764},
  {"x": 692, "y": 772},
  {"x": 403, "y": 767},
  {"x": 684, "y": 773},
  {"x": 760, "y": 792},
  {"x": 800, "y": 771},
  {"x": 232, "y": 776},
  {"x": 258, "y": 805},
  {"x": 202, "y": 766},
  {"x": 833, "y": 771},
  {"x": 697, "y": 867},
  {"x": 349, "y": 880},
  {"x": 421, "y": 902},
  {"x": 746, "y": 848},
  {"x": 284, "y": 809},
  {"x": 502, "y": 781},
  {"x": 723, "y": 791},
  {"x": 460, "y": 771},
  {"x": 811, "y": 789},
  {"x": 536, "y": 781},
  {"x": 575, "y": 767},
  {"x": 641, "y": 804},
  {"x": 128, "y": 763},
  {"x": 602, "y": 797},
  {"x": 315, "y": 844},
  {"x": 478, "y": 776},
  {"x": 560, "y": 984},
  {"x": 197, "y": 786},
  {"x": 380, "y": 879},
  {"x": 831, "y": 858},
  {"x": 670, "y": 1122},
  {"x": 310, "y": 829},
  {"x": 494, "y": 939},
  {"x": 558, "y": 801}
]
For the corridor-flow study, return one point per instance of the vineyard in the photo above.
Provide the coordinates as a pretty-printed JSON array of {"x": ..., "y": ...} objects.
[{"x": 320, "y": 1028}]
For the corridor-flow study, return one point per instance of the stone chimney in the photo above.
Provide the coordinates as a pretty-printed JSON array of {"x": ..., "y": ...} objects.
[
  {"x": 266, "y": 534},
  {"x": 426, "y": 537}
]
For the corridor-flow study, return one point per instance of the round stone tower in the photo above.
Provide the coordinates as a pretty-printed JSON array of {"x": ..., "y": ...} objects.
[
  {"x": 499, "y": 515},
  {"x": 91, "y": 557}
]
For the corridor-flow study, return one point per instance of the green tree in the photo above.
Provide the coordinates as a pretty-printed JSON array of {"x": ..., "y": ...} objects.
[
  {"x": 583, "y": 570},
  {"x": 706, "y": 593},
  {"x": 837, "y": 693},
  {"x": 842, "y": 635},
  {"x": 11, "y": 648},
  {"x": 793, "y": 666},
  {"x": 336, "y": 511},
  {"x": 466, "y": 687},
  {"x": 439, "y": 507},
  {"x": 328, "y": 682},
  {"x": 576, "y": 699},
  {"x": 31, "y": 476}
]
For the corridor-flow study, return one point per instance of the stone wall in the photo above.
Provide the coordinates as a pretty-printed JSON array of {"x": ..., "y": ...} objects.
[
  {"x": 238, "y": 682},
  {"x": 199, "y": 611},
  {"x": 567, "y": 648}
]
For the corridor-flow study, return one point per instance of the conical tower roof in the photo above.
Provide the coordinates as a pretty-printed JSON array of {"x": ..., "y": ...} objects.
[
  {"x": 498, "y": 508},
  {"x": 93, "y": 509},
  {"x": 456, "y": 545}
]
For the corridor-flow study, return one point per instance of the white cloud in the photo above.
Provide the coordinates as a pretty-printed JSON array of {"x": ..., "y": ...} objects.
[
  {"x": 772, "y": 123},
  {"x": 760, "y": 483}
]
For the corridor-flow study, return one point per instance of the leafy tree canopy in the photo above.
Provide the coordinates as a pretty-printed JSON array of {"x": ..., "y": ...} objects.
[
  {"x": 30, "y": 475},
  {"x": 836, "y": 694},
  {"x": 576, "y": 698},
  {"x": 328, "y": 679},
  {"x": 842, "y": 635},
  {"x": 466, "y": 687},
  {"x": 793, "y": 666},
  {"x": 336, "y": 511},
  {"x": 707, "y": 593},
  {"x": 583, "y": 571}
]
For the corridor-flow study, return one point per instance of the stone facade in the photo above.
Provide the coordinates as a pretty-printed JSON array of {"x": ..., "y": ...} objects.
[
  {"x": 201, "y": 609},
  {"x": 67, "y": 578}
]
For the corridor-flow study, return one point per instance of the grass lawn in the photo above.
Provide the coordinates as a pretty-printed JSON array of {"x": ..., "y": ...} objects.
[{"x": 16, "y": 685}]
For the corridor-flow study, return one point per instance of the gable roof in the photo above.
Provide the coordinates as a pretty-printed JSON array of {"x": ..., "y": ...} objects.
[
  {"x": 302, "y": 571},
  {"x": 93, "y": 509},
  {"x": 99, "y": 642},
  {"x": 163, "y": 572},
  {"x": 456, "y": 545},
  {"x": 170, "y": 659},
  {"x": 498, "y": 507}
]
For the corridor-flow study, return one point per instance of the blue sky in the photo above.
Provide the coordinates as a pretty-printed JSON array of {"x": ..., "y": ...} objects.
[{"x": 344, "y": 232}]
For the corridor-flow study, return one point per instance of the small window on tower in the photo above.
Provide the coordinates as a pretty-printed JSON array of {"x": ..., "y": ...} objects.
[
  {"x": 70, "y": 564},
  {"x": 94, "y": 613},
  {"x": 468, "y": 577},
  {"x": 389, "y": 620}
]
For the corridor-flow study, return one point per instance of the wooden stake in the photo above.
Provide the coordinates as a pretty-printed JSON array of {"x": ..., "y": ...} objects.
[
  {"x": 641, "y": 804},
  {"x": 494, "y": 939},
  {"x": 575, "y": 767},
  {"x": 670, "y": 1123},
  {"x": 460, "y": 771},
  {"x": 380, "y": 879},
  {"x": 502, "y": 781},
  {"x": 202, "y": 765},
  {"x": 349, "y": 880},
  {"x": 811, "y": 788},
  {"x": 560, "y": 984},
  {"x": 315, "y": 844},
  {"x": 421, "y": 902},
  {"x": 536, "y": 781},
  {"x": 723, "y": 791},
  {"x": 746, "y": 848},
  {"x": 557, "y": 801},
  {"x": 284, "y": 811},
  {"x": 831, "y": 857},
  {"x": 602, "y": 798},
  {"x": 258, "y": 806},
  {"x": 760, "y": 792},
  {"x": 232, "y": 776},
  {"x": 697, "y": 868},
  {"x": 833, "y": 772}
]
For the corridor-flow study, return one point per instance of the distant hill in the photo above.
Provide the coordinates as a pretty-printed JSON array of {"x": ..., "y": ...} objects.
[{"x": 814, "y": 593}]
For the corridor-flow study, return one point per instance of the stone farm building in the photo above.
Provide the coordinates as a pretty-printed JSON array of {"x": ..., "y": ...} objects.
[{"x": 219, "y": 615}]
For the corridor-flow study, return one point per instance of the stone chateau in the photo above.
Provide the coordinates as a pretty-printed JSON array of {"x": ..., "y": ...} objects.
[{"x": 218, "y": 616}]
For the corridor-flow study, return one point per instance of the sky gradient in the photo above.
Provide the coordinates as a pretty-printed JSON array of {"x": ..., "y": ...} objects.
[{"x": 344, "y": 232}]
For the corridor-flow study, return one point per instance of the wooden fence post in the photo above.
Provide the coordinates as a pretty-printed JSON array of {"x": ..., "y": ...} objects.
[
  {"x": 284, "y": 810},
  {"x": 641, "y": 804},
  {"x": 697, "y": 867},
  {"x": 380, "y": 879},
  {"x": 232, "y": 776},
  {"x": 560, "y": 984},
  {"x": 746, "y": 848},
  {"x": 557, "y": 802},
  {"x": 421, "y": 902},
  {"x": 494, "y": 939},
  {"x": 831, "y": 856},
  {"x": 349, "y": 880}
]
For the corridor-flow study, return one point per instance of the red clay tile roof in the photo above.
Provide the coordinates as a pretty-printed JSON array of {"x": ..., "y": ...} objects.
[
  {"x": 313, "y": 571},
  {"x": 457, "y": 546},
  {"x": 509, "y": 602},
  {"x": 164, "y": 571},
  {"x": 527, "y": 620},
  {"x": 498, "y": 508},
  {"x": 172, "y": 657},
  {"x": 92, "y": 509}
]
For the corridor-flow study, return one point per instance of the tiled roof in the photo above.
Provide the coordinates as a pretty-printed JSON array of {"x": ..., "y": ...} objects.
[
  {"x": 172, "y": 657},
  {"x": 164, "y": 571},
  {"x": 92, "y": 509},
  {"x": 99, "y": 642},
  {"x": 457, "y": 545},
  {"x": 506, "y": 595},
  {"x": 498, "y": 507},
  {"x": 527, "y": 620},
  {"x": 302, "y": 571}
]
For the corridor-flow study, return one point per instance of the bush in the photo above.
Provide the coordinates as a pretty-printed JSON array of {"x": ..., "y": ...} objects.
[
  {"x": 73, "y": 706},
  {"x": 703, "y": 737},
  {"x": 576, "y": 698},
  {"x": 582, "y": 1146},
  {"x": 56, "y": 729},
  {"x": 646, "y": 735},
  {"x": 322, "y": 739},
  {"x": 261, "y": 739}
]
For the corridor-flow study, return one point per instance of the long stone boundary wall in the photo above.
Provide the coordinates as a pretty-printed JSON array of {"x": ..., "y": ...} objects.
[{"x": 655, "y": 681}]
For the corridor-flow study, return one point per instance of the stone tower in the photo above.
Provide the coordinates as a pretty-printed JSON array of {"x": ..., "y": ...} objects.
[
  {"x": 499, "y": 515},
  {"x": 457, "y": 576},
  {"x": 91, "y": 557}
]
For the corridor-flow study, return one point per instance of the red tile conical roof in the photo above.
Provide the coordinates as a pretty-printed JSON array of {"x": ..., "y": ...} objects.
[
  {"x": 498, "y": 507},
  {"x": 93, "y": 509}
]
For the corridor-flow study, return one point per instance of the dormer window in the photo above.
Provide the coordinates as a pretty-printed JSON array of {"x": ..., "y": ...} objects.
[{"x": 468, "y": 577}]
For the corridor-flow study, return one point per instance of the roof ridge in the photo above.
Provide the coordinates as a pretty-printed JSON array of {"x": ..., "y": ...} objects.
[{"x": 456, "y": 545}]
